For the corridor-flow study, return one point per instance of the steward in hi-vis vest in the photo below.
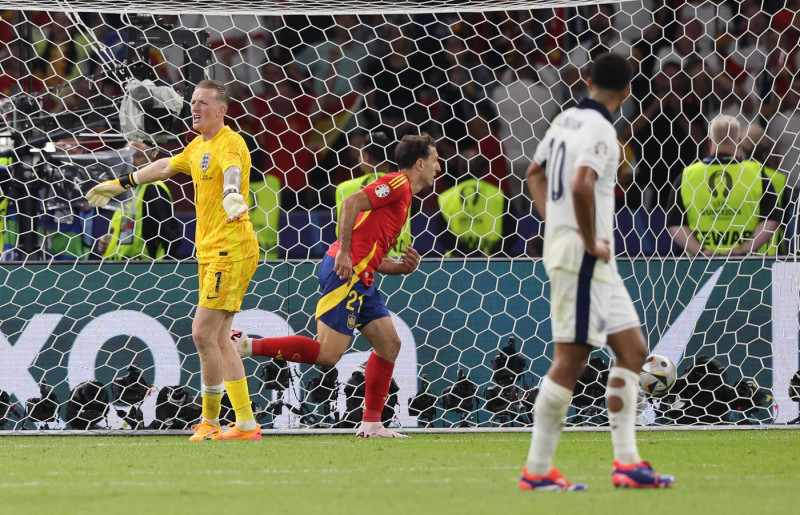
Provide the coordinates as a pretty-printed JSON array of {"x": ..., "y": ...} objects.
[
  {"x": 778, "y": 180},
  {"x": 9, "y": 220},
  {"x": 722, "y": 201},
  {"x": 9, "y": 229},
  {"x": 758, "y": 147},
  {"x": 265, "y": 212},
  {"x": 145, "y": 228},
  {"x": 474, "y": 219},
  {"x": 722, "y": 205}
]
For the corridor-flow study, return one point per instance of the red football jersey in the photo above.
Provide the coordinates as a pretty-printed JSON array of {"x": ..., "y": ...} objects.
[{"x": 376, "y": 231}]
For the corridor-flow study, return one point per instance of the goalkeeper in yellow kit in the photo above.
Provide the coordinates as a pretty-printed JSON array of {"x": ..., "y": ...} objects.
[{"x": 227, "y": 251}]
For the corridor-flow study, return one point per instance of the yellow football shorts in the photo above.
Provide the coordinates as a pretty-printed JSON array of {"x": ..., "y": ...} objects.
[{"x": 223, "y": 284}]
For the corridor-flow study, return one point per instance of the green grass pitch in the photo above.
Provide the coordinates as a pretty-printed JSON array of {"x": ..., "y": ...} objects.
[{"x": 752, "y": 471}]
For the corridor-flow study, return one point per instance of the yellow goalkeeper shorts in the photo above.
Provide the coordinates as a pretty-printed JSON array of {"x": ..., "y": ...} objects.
[{"x": 223, "y": 284}]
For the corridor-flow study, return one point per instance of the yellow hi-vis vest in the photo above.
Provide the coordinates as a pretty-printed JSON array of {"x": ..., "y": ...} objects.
[
  {"x": 473, "y": 210},
  {"x": 3, "y": 215},
  {"x": 125, "y": 229},
  {"x": 4, "y": 161},
  {"x": 265, "y": 212},
  {"x": 722, "y": 202},
  {"x": 347, "y": 188}
]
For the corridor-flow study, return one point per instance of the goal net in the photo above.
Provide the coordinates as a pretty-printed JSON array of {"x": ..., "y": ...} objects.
[{"x": 96, "y": 304}]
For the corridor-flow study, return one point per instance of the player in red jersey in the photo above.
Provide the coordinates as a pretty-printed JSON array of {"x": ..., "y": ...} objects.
[{"x": 369, "y": 223}]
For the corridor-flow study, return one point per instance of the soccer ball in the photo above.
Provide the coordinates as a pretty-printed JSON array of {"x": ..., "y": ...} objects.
[{"x": 658, "y": 375}]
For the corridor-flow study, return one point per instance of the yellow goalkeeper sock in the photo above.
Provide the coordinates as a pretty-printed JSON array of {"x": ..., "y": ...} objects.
[
  {"x": 240, "y": 402},
  {"x": 212, "y": 399}
]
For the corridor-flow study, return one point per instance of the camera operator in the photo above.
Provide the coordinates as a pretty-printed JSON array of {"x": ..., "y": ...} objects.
[
  {"x": 59, "y": 220},
  {"x": 68, "y": 218},
  {"x": 460, "y": 398},
  {"x": 702, "y": 395},
  {"x": 589, "y": 395},
  {"x": 423, "y": 404},
  {"x": 752, "y": 405},
  {"x": 175, "y": 409}
]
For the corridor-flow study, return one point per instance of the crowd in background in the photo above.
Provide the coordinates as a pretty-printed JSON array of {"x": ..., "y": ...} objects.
[{"x": 485, "y": 85}]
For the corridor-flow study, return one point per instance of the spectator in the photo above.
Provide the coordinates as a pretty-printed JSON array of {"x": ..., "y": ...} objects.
[
  {"x": 658, "y": 31},
  {"x": 776, "y": 79},
  {"x": 458, "y": 82},
  {"x": 145, "y": 227},
  {"x": 481, "y": 153},
  {"x": 109, "y": 54},
  {"x": 715, "y": 21},
  {"x": 686, "y": 46},
  {"x": 504, "y": 38},
  {"x": 61, "y": 52},
  {"x": 555, "y": 31},
  {"x": 332, "y": 72},
  {"x": 746, "y": 55},
  {"x": 661, "y": 134},
  {"x": 783, "y": 127},
  {"x": 11, "y": 51},
  {"x": 106, "y": 30},
  {"x": 282, "y": 122},
  {"x": 335, "y": 65},
  {"x": 525, "y": 107},
  {"x": 376, "y": 161},
  {"x": 730, "y": 98},
  {"x": 602, "y": 36},
  {"x": 758, "y": 147},
  {"x": 633, "y": 18},
  {"x": 395, "y": 90},
  {"x": 721, "y": 205},
  {"x": 238, "y": 41},
  {"x": 513, "y": 44},
  {"x": 711, "y": 92},
  {"x": 474, "y": 214}
]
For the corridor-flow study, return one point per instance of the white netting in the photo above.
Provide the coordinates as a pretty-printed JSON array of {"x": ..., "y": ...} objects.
[{"x": 91, "y": 90}]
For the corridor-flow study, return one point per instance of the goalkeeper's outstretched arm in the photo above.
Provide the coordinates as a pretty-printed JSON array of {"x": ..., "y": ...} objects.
[{"x": 105, "y": 191}]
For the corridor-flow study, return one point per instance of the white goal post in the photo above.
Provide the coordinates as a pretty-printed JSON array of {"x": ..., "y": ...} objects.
[{"x": 96, "y": 304}]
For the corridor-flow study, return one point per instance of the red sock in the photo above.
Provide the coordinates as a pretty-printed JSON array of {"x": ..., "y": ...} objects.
[
  {"x": 377, "y": 377},
  {"x": 299, "y": 349}
]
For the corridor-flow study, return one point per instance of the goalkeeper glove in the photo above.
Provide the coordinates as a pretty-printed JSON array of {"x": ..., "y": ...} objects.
[
  {"x": 234, "y": 205},
  {"x": 103, "y": 192}
]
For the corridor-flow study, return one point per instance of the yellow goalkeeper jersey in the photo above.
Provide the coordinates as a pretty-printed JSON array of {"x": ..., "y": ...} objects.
[{"x": 206, "y": 162}]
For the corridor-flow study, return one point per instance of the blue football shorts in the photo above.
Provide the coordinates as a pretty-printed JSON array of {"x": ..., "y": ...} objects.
[{"x": 344, "y": 307}]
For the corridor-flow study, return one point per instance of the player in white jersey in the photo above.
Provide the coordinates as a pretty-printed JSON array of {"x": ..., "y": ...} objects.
[{"x": 571, "y": 180}]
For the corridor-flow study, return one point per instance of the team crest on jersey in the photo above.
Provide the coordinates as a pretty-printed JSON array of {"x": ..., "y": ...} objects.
[
  {"x": 601, "y": 149},
  {"x": 351, "y": 321},
  {"x": 205, "y": 161},
  {"x": 382, "y": 190}
]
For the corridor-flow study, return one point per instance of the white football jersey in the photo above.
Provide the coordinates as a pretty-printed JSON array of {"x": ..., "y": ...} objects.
[{"x": 580, "y": 136}]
